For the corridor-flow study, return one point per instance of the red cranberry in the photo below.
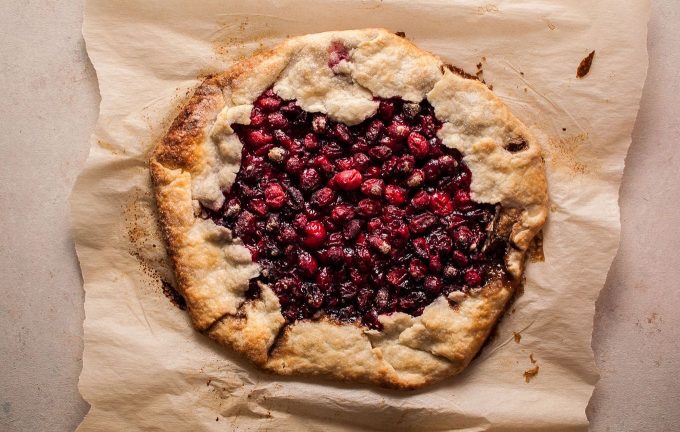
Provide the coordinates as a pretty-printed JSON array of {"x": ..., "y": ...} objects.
[
  {"x": 373, "y": 187},
  {"x": 372, "y": 172},
  {"x": 360, "y": 161},
  {"x": 433, "y": 285},
  {"x": 379, "y": 244},
  {"x": 398, "y": 130},
  {"x": 309, "y": 179},
  {"x": 417, "y": 269},
  {"x": 322, "y": 164},
  {"x": 405, "y": 165},
  {"x": 435, "y": 264},
  {"x": 352, "y": 229},
  {"x": 307, "y": 263},
  {"x": 374, "y": 225},
  {"x": 344, "y": 164},
  {"x": 395, "y": 195},
  {"x": 415, "y": 179},
  {"x": 258, "y": 206},
  {"x": 323, "y": 197},
  {"x": 294, "y": 165},
  {"x": 259, "y": 138},
  {"x": 420, "y": 200},
  {"x": 311, "y": 142},
  {"x": 397, "y": 276},
  {"x": 337, "y": 52},
  {"x": 268, "y": 103},
  {"x": 421, "y": 247},
  {"x": 418, "y": 145},
  {"x": 374, "y": 130},
  {"x": 348, "y": 180},
  {"x": 257, "y": 119},
  {"x": 277, "y": 120},
  {"x": 315, "y": 234},
  {"x": 432, "y": 170},
  {"x": 472, "y": 277},
  {"x": 275, "y": 196},
  {"x": 341, "y": 132},
  {"x": 380, "y": 153},
  {"x": 386, "y": 109},
  {"x": 427, "y": 125},
  {"x": 422, "y": 223},
  {"x": 448, "y": 164},
  {"x": 440, "y": 204},
  {"x": 462, "y": 198},
  {"x": 459, "y": 258},
  {"x": 342, "y": 213},
  {"x": 463, "y": 237},
  {"x": 289, "y": 236},
  {"x": 368, "y": 207}
]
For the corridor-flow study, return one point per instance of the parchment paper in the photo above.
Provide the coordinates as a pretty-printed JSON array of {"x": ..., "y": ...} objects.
[{"x": 144, "y": 368}]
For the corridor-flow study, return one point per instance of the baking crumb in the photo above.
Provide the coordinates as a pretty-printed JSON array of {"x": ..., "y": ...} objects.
[
  {"x": 517, "y": 336},
  {"x": 530, "y": 373},
  {"x": 400, "y": 34},
  {"x": 564, "y": 129},
  {"x": 531, "y": 357}
]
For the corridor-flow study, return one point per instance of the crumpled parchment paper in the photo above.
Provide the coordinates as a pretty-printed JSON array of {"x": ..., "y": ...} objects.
[{"x": 144, "y": 368}]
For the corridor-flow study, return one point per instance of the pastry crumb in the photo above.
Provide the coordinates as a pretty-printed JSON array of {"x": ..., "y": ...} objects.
[{"x": 529, "y": 374}]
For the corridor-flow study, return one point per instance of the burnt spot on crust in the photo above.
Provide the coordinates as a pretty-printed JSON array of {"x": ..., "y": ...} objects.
[
  {"x": 400, "y": 34},
  {"x": 584, "y": 66},
  {"x": 179, "y": 147},
  {"x": 517, "y": 146}
]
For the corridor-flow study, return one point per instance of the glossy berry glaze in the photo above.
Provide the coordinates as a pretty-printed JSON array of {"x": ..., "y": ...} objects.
[{"x": 353, "y": 222}]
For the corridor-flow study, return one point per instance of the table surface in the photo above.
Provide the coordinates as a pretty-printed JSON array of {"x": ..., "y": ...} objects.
[{"x": 49, "y": 110}]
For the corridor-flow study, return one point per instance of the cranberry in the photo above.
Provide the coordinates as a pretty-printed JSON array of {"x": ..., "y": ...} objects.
[
  {"x": 472, "y": 277},
  {"x": 257, "y": 118},
  {"x": 386, "y": 109},
  {"x": 360, "y": 161},
  {"x": 277, "y": 120},
  {"x": 440, "y": 203},
  {"x": 380, "y": 153},
  {"x": 311, "y": 142},
  {"x": 352, "y": 229},
  {"x": 368, "y": 207},
  {"x": 462, "y": 198},
  {"x": 418, "y": 145},
  {"x": 348, "y": 180},
  {"x": 268, "y": 103},
  {"x": 294, "y": 165},
  {"x": 395, "y": 195},
  {"x": 433, "y": 285},
  {"x": 342, "y": 213},
  {"x": 398, "y": 130},
  {"x": 344, "y": 164},
  {"x": 415, "y": 179},
  {"x": 259, "y": 138},
  {"x": 463, "y": 237},
  {"x": 323, "y": 197},
  {"x": 307, "y": 263},
  {"x": 309, "y": 179},
  {"x": 432, "y": 170},
  {"x": 422, "y": 222},
  {"x": 275, "y": 196},
  {"x": 341, "y": 132},
  {"x": 397, "y": 276},
  {"x": 373, "y": 187},
  {"x": 420, "y": 200},
  {"x": 322, "y": 164},
  {"x": 417, "y": 269},
  {"x": 374, "y": 130},
  {"x": 258, "y": 206}
]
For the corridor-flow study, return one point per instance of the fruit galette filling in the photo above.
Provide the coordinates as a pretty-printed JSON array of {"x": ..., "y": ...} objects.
[{"x": 349, "y": 222}]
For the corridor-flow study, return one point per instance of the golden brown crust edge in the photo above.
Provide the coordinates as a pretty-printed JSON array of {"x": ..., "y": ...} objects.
[{"x": 410, "y": 353}]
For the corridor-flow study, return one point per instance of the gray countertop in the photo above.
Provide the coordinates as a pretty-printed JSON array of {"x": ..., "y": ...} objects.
[{"x": 49, "y": 108}]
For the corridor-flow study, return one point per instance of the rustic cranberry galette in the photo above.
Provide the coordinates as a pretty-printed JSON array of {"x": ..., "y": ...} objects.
[{"x": 348, "y": 205}]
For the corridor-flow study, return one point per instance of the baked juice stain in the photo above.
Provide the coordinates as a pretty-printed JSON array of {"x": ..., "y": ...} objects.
[
  {"x": 564, "y": 153},
  {"x": 174, "y": 296},
  {"x": 584, "y": 66},
  {"x": 530, "y": 373}
]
